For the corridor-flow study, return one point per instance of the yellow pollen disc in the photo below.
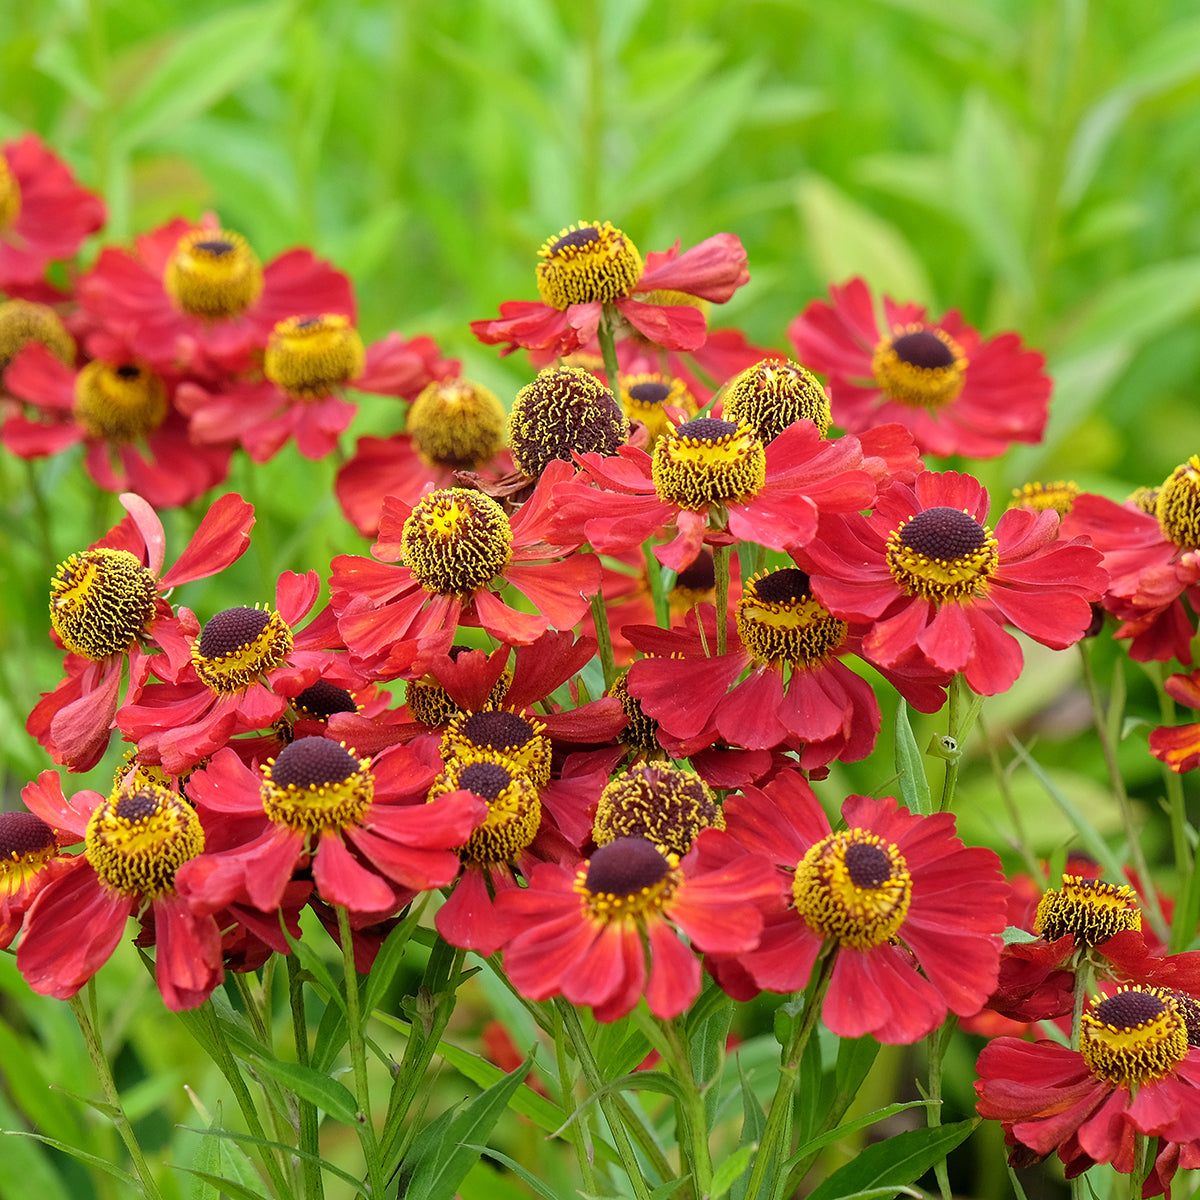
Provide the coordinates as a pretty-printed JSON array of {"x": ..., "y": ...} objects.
[
  {"x": 920, "y": 367},
  {"x": 456, "y": 541},
  {"x": 100, "y": 600},
  {"x": 138, "y": 838},
  {"x": 665, "y": 805},
  {"x": 1038, "y": 497},
  {"x": 456, "y": 423},
  {"x": 520, "y": 740},
  {"x": 587, "y": 262},
  {"x": 133, "y": 774},
  {"x": 1145, "y": 499},
  {"x": 213, "y": 274},
  {"x": 627, "y": 879},
  {"x": 708, "y": 461},
  {"x": 779, "y": 621},
  {"x": 853, "y": 887},
  {"x": 1133, "y": 1036},
  {"x": 514, "y": 809},
  {"x": 27, "y": 844},
  {"x": 942, "y": 554},
  {"x": 1090, "y": 909},
  {"x": 120, "y": 403},
  {"x": 10, "y": 196},
  {"x": 772, "y": 395},
  {"x": 238, "y": 645},
  {"x": 1177, "y": 506},
  {"x": 564, "y": 411},
  {"x": 432, "y": 705},
  {"x": 642, "y": 731},
  {"x": 316, "y": 784},
  {"x": 24, "y": 321},
  {"x": 309, "y": 357},
  {"x": 644, "y": 397}
]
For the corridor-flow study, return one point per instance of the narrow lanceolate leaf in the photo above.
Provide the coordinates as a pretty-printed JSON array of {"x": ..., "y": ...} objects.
[
  {"x": 314, "y": 1086},
  {"x": 894, "y": 1163},
  {"x": 914, "y": 787}
]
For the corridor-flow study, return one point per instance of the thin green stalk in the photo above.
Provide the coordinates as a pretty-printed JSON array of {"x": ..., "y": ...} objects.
[
  {"x": 604, "y": 644},
  {"x": 721, "y": 555},
  {"x": 591, "y": 1072},
  {"x": 358, "y": 1055},
  {"x": 575, "y": 1131},
  {"x": 662, "y": 608},
  {"x": 933, "y": 1112},
  {"x": 1101, "y": 720},
  {"x": 1020, "y": 841},
  {"x": 314, "y": 1188},
  {"x": 41, "y": 513},
  {"x": 693, "y": 1146},
  {"x": 777, "y": 1134},
  {"x": 964, "y": 708},
  {"x": 227, "y": 1065},
  {"x": 95, "y": 1047},
  {"x": 608, "y": 351}
]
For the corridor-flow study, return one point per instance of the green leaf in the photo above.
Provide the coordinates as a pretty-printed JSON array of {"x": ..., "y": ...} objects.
[
  {"x": 441, "y": 1157},
  {"x": 314, "y": 1086},
  {"x": 914, "y": 787},
  {"x": 732, "y": 1169},
  {"x": 892, "y": 1164},
  {"x": 856, "y": 1056},
  {"x": 706, "y": 1049},
  {"x": 515, "y": 1167},
  {"x": 849, "y": 1127},
  {"x": 204, "y": 63},
  {"x": 90, "y": 1160},
  {"x": 225, "y": 1187},
  {"x": 1014, "y": 935},
  {"x": 387, "y": 961}
]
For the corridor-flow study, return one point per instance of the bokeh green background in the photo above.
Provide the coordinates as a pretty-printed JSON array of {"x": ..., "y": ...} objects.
[{"x": 1031, "y": 162}]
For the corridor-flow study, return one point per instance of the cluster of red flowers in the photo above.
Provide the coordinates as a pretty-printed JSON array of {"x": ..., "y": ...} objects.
[{"x": 269, "y": 768}]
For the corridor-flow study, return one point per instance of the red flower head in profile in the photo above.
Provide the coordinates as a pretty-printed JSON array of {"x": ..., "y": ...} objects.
[
  {"x": 911, "y": 915},
  {"x": 29, "y": 858},
  {"x": 957, "y": 393},
  {"x": 195, "y": 298},
  {"x": 1151, "y": 548},
  {"x": 135, "y": 841},
  {"x": 107, "y": 605},
  {"x": 592, "y": 264},
  {"x": 938, "y": 583},
  {"x": 44, "y": 217},
  {"x": 443, "y": 557},
  {"x": 588, "y": 933},
  {"x": 361, "y": 823},
  {"x": 123, "y": 413},
  {"x": 1136, "y": 1072}
]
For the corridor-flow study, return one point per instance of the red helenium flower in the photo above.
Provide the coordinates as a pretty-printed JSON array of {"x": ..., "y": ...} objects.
[{"x": 957, "y": 393}]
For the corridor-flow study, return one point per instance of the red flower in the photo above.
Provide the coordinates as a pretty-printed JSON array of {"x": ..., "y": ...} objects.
[
  {"x": 457, "y": 546},
  {"x": 1151, "y": 548},
  {"x": 769, "y": 495},
  {"x": 912, "y": 915},
  {"x": 588, "y": 934},
  {"x": 363, "y": 824},
  {"x": 819, "y": 704},
  {"x": 136, "y": 840},
  {"x": 29, "y": 858},
  {"x": 123, "y": 414},
  {"x": 107, "y": 605},
  {"x": 932, "y": 576},
  {"x": 1179, "y": 745},
  {"x": 587, "y": 266},
  {"x": 193, "y": 297},
  {"x": 957, "y": 393},
  {"x": 44, "y": 216},
  {"x": 1133, "y": 1074}
]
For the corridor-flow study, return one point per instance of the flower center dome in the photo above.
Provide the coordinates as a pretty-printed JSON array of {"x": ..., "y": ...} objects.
[
  {"x": 585, "y": 263},
  {"x": 25, "y": 321},
  {"x": 708, "y": 461},
  {"x": 1090, "y": 909},
  {"x": 119, "y": 402},
  {"x": 519, "y": 740},
  {"x": 100, "y": 600},
  {"x": 627, "y": 878},
  {"x": 456, "y": 423},
  {"x": 920, "y": 367},
  {"x": 238, "y": 645},
  {"x": 941, "y": 554},
  {"x": 644, "y": 397},
  {"x": 779, "y": 621},
  {"x": 773, "y": 394},
  {"x": 514, "y": 809},
  {"x": 1133, "y": 1036},
  {"x": 315, "y": 784},
  {"x": 663, "y": 805},
  {"x": 456, "y": 541},
  {"x": 213, "y": 274},
  {"x": 1177, "y": 505},
  {"x": 309, "y": 357}
]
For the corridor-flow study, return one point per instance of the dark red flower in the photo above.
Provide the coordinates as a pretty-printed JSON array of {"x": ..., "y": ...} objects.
[
  {"x": 934, "y": 579},
  {"x": 30, "y": 857},
  {"x": 912, "y": 915},
  {"x": 957, "y": 393},
  {"x": 44, "y": 216},
  {"x": 136, "y": 841},
  {"x": 587, "y": 266},
  {"x": 1179, "y": 745},
  {"x": 588, "y": 934}
]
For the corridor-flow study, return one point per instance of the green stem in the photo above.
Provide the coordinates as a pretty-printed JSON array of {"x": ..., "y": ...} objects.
[
  {"x": 310, "y": 1168},
  {"x": 95, "y": 1047},
  {"x": 608, "y": 352},
  {"x": 604, "y": 644},
  {"x": 591, "y": 1072},
  {"x": 933, "y": 1112},
  {"x": 1116, "y": 781},
  {"x": 358, "y": 1055},
  {"x": 662, "y": 607},
  {"x": 576, "y": 1131},
  {"x": 693, "y": 1146},
  {"x": 777, "y": 1134},
  {"x": 41, "y": 514},
  {"x": 227, "y": 1065},
  {"x": 1020, "y": 841},
  {"x": 964, "y": 708},
  {"x": 721, "y": 555}
]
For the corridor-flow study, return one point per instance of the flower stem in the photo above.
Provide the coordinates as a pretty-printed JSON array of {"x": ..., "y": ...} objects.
[
  {"x": 1020, "y": 841},
  {"x": 662, "y": 607},
  {"x": 95, "y": 1046},
  {"x": 314, "y": 1189},
  {"x": 576, "y": 1132},
  {"x": 933, "y": 1113},
  {"x": 608, "y": 351},
  {"x": 964, "y": 708},
  {"x": 591, "y": 1072},
  {"x": 358, "y": 1055},
  {"x": 777, "y": 1132},
  {"x": 604, "y": 646},
  {"x": 721, "y": 555},
  {"x": 693, "y": 1146}
]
